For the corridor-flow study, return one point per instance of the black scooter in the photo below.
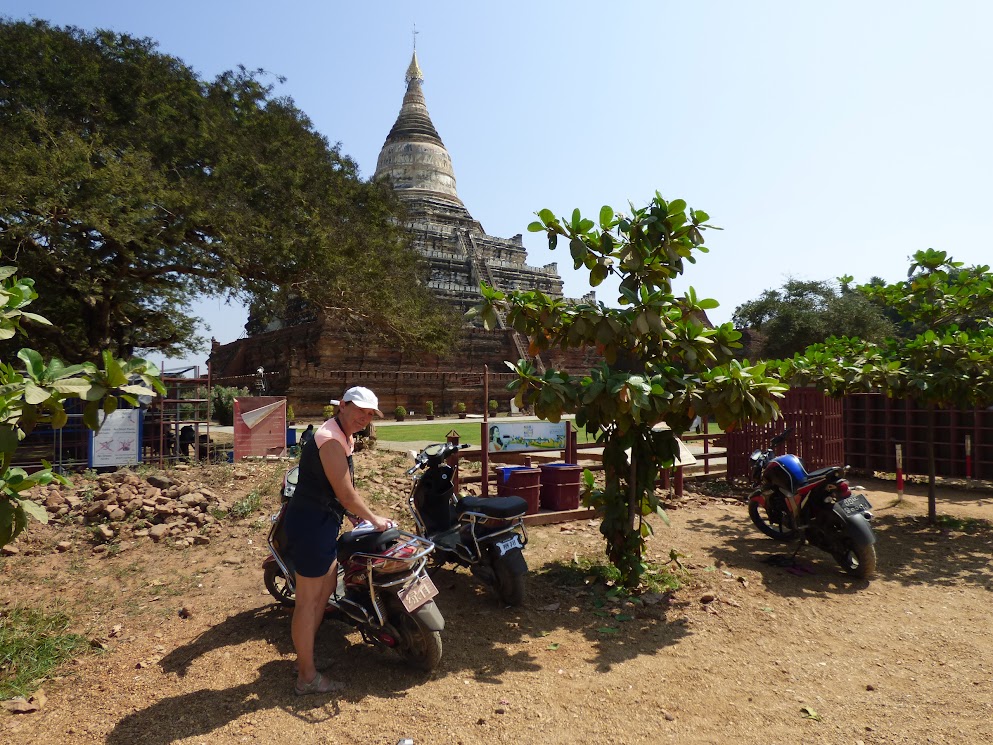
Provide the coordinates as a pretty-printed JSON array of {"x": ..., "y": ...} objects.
[{"x": 487, "y": 535}]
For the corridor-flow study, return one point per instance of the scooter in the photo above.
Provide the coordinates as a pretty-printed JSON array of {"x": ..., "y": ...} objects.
[
  {"x": 818, "y": 507},
  {"x": 383, "y": 587},
  {"x": 486, "y": 535}
]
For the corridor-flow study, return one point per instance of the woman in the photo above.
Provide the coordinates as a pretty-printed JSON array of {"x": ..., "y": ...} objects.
[{"x": 325, "y": 491}]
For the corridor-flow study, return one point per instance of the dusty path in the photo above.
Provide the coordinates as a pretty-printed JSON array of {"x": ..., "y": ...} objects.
[{"x": 904, "y": 659}]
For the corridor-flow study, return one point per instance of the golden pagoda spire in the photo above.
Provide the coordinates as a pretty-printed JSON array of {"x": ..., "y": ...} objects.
[{"x": 414, "y": 70}]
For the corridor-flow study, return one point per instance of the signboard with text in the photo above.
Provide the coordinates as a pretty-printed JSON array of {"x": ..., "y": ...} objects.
[
  {"x": 509, "y": 436},
  {"x": 118, "y": 443}
]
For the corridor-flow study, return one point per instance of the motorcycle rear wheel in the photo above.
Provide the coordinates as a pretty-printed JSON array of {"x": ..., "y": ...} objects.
[
  {"x": 776, "y": 524},
  {"x": 509, "y": 586},
  {"x": 419, "y": 647},
  {"x": 858, "y": 561},
  {"x": 278, "y": 587}
]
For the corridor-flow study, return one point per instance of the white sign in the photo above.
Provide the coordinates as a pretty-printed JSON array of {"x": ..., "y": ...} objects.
[
  {"x": 117, "y": 443},
  {"x": 526, "y": 436}
]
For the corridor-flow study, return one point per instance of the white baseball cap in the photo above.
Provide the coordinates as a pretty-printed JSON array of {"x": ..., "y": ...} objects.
[{"x": 363, "y": 398}]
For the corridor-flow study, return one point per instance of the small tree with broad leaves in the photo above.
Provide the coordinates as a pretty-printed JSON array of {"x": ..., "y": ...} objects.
[
  {"x": 661, "y": 363},
  {"x": 942, "y": 357},
  {"x": 33, "y": 392}
]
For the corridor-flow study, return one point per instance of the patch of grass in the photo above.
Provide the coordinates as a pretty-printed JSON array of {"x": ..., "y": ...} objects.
[
  {"x": 32, "y": 645},
  {"x": 603, "y": 577},
  {"x": 245, "y": 506},
  {"x": 965, "y": 524}
]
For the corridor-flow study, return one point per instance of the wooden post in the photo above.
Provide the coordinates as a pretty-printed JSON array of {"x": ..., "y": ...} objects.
[
  {"x": 899, "y": 472},
  {"x": 453, "y": 460},
  {"x": 679, "y": 482},
  {"x": 968, "y": 456},
  {"x": 485, "y": 434}
]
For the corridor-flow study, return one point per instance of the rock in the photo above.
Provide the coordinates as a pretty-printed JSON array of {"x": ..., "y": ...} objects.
[
  {"x": 54, "y": 500},
  {"x": 9, "y": 550},
  {"x": 63, "y": 546},
  {"x": 159, "y": 482},
  {"x": 707, "y": 598},
  {"x": 185, "y": 612},
  {"x": 156, "y": 532},
  {"x": 104, "y": 532},
  {"x": 73, "y": 501},
  {"x": 100, "y": 548},
  {"x": 20, "y": 705},
  {"x": 233, "y": 560},
  {"x": 117, "y": 514},
  {"x": 201, "y": 540}
]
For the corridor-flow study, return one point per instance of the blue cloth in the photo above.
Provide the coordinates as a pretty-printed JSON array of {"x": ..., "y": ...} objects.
[{"x": 312, "y": 535}]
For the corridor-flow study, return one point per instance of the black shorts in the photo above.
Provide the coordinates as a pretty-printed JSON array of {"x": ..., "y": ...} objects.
[{"x": 312, "y": 535}]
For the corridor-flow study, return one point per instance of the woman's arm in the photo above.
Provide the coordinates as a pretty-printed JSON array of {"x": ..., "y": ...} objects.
[{"x": 335, "y": 464}]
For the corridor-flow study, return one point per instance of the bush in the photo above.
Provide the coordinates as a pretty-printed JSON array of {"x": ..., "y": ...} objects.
[
  {"x": 400, "y": 411},
  {"x": 429, "y": 408},
  {"x": 222, "y": 400},
  {"x": 460, "y": 407},
  {"x": 493, "y": 406},
  {"x": 290, "y": 415},
  {"x": 329, "y": 411}
]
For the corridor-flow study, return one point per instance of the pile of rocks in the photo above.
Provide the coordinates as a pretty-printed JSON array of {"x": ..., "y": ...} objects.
[{"x": 123, "y": 504}]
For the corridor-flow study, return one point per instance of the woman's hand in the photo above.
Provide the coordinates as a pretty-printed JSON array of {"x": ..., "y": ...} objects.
[{"x": 382, "y": 523}]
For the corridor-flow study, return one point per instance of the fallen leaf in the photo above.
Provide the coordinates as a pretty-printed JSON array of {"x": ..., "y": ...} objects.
[
  {"x": 809, "y": 713},
  {"x": 116, "y": 631},
  {"x": 608, "y": 629},
  {"x": 553, "y": 646},
  {"x": 550, "y": 606},
  {"x": 623, "y": 617}
]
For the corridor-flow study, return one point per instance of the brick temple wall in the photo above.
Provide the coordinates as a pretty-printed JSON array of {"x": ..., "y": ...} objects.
[{"x": 311, "y": 363}]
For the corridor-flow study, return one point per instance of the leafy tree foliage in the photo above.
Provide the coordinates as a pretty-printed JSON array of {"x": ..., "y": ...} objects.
[
  {"x": 943, "y": 359},
  {"x": 33, "y": 393},
  {"x": 129, "y": 186},
  {"x": 661, "y": 364},
  {"x": 802, "y": 313}
]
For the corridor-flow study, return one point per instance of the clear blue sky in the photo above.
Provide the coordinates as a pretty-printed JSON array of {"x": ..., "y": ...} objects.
[{"x": 825, "y": 138}]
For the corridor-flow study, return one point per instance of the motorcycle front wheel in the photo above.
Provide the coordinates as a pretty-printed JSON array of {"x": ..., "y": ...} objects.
[
  {"x": 418, "y": 646},
  {"x": 858, "y": 561},
  {"x": 773, "y": 521},
  {"x": 278, "y": 587}
]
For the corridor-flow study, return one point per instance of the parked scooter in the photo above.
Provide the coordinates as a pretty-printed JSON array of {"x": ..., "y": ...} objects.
[
  {"x": 383, "y": 588},
  {"x": 487, "y": 535},
  {"x": 790, "y": 504}
]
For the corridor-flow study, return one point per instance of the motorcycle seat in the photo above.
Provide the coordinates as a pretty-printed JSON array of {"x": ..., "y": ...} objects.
[
  {"x": 366, "y": 542},
  {"x": 822, "y": 473},
  {"x": 494, "y": 506}
]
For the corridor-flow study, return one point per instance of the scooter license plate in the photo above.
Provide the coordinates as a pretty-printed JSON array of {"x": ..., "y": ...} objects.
[
  {"x": 417, "y": 593},
  {"x": 509, "y": 544},
  {"x": 854, "y": 504}
]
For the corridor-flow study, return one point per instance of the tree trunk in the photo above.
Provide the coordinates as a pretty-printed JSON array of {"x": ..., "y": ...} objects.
[{"x": 932, "y": 506}]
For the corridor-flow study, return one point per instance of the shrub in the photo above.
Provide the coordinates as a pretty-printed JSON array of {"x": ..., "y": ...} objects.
[
  {"x": 429, "y": 408},
  {"x": 400, "y": 411},
  {"x": 493, "y": 406},
  {"x": 222, "y": 400},
  {"x": 329, "y": 411},
  {"x": 460, "y": 407},
  {"x": 290, "y": 415}
]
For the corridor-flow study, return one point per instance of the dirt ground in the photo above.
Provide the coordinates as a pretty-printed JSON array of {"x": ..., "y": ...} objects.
[{"x": 744, "y": 652}]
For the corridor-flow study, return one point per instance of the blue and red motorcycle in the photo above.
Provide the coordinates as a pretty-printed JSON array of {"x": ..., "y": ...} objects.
[{"x": 790, "y": 504}]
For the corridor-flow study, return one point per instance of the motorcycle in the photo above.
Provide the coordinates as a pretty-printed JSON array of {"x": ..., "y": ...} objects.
[
  {"x": 790, "y": 504},
  {"x": 486, "y": 535},
  {"x": 383, "y": 588}
]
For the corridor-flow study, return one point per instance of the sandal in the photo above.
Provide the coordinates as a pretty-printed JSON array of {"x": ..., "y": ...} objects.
[{"x": 319, "y": 684}]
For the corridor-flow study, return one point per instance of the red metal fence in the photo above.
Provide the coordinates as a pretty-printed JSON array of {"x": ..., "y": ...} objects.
[
  {"x": 817, "y": 437},
  {"x": 874, "y": 424}
]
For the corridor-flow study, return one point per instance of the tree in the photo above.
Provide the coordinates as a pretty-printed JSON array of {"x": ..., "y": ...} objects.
[
  {"x": 808, "y": 312},
  {"x": 661, "y": 364},
  {"x": 34, "y": 394},
  {"x": 943, "y": 358},
  {"x": 129, "y": 187}
]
